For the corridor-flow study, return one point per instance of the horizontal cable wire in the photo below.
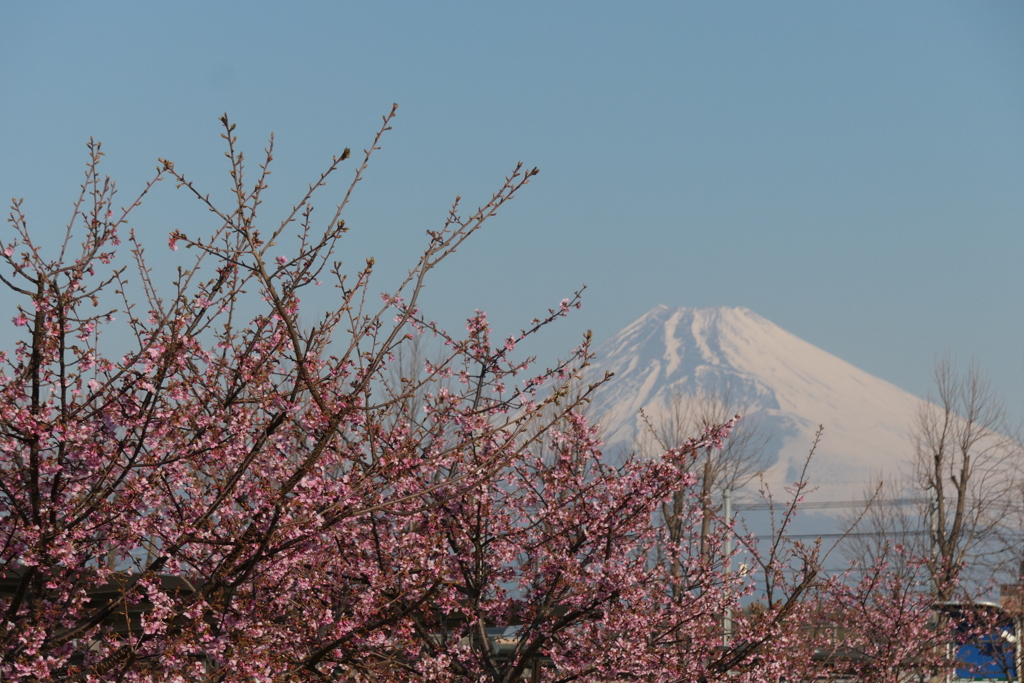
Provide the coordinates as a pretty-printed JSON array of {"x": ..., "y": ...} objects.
[{"x": 825, "y": 504}]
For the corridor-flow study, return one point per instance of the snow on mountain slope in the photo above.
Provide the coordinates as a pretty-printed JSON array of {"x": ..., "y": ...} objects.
[{"x": 787, "y": 384}]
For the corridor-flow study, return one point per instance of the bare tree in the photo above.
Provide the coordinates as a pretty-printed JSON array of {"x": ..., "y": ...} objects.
[
  {"x": 964, "y": 465},
  {"x": 742, "y": 456},
  {"x": 953, "y": 507}
]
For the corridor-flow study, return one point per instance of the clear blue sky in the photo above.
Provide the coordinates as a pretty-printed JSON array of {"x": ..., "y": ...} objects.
[{"x": 852, "y": 171}]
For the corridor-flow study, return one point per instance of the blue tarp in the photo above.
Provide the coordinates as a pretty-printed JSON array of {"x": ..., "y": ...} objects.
[{"x": 989, "y": 658}]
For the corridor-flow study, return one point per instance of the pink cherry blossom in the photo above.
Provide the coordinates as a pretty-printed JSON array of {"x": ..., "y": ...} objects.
[{"x": 221, "y": 489}]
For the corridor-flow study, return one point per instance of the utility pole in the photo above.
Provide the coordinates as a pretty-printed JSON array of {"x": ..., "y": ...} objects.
[
  {"x": 727, "y": 562},
  {"x": 705, "y": 503},
  {"x": 933, "y": 549}
]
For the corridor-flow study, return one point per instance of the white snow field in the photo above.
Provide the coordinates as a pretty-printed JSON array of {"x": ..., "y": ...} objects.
[{"x": 787, "y": 384}]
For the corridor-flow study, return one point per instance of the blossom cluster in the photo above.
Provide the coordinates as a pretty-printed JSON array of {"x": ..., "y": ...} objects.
[{"x": 238, "y": 495}]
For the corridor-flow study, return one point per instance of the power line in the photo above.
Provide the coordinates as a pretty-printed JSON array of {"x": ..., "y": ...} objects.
[
  {"x": 826, "y": 504},
  {"x": 853, "y": 535}
]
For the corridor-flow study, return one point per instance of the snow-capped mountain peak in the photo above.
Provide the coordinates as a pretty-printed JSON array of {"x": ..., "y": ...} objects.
[{"x": 776, "y": 378}]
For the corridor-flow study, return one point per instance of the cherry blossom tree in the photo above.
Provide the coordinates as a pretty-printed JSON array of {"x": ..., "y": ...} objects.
[
  {"x": 231, "y": 461},
  {"x": 198, "y": 484},
  {"x": 561, "y": 560}
]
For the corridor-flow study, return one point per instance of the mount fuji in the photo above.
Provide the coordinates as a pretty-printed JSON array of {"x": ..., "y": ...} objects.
[{"x": 783, "y": 383}]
